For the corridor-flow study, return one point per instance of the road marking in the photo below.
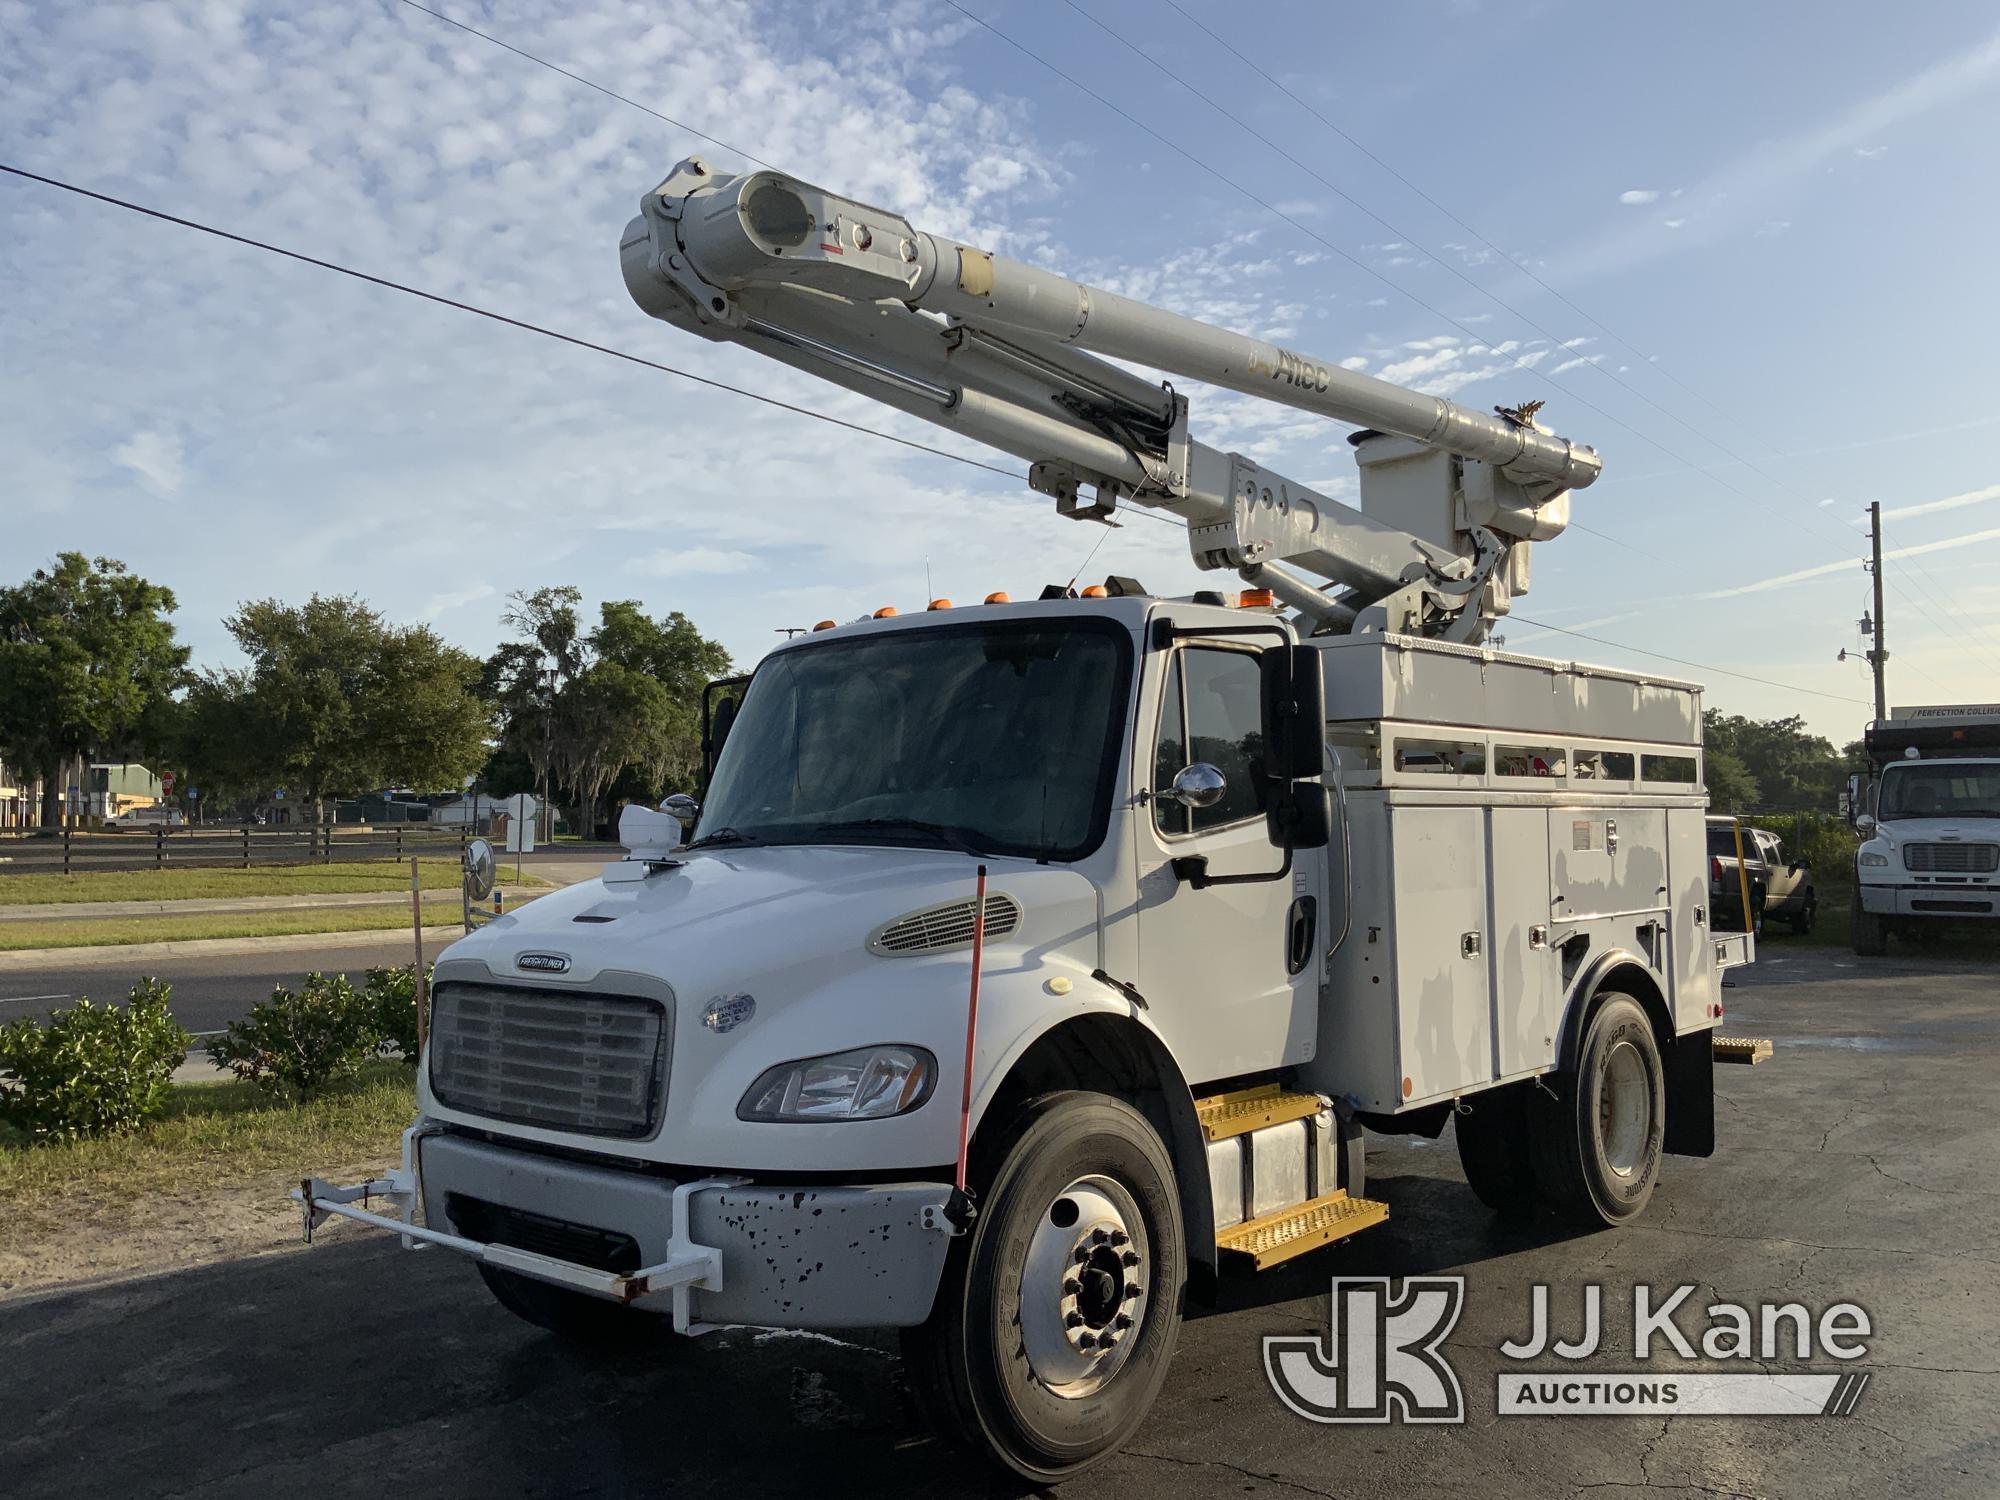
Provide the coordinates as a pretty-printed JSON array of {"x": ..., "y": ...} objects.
[{"x": 28, "y": 999}]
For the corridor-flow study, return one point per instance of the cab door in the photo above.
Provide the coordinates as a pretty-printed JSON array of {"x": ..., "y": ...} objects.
[{"x": 1230, "y": 972}]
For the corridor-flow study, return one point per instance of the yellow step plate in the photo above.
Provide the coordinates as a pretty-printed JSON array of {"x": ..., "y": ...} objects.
[
  {"x": 1293, "y": 1231},
  {"x": 1742, "y": 1049},
  {"x": 1245, "y": 1110}
]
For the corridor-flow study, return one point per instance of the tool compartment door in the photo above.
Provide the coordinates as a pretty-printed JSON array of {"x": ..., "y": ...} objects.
[
  {"x": 1444, "y": 1016},
  {"x": 1695, "y": 977},
  {"x": 1522, "y": 958}
]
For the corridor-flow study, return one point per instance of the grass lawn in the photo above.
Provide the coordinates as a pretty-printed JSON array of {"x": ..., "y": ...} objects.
[
  {"x": 1975, "y": 940},
  {"x": 214, "y": 1133},
  {"x": 210, "y": 884},
  {"x": 85, "y": 933}
]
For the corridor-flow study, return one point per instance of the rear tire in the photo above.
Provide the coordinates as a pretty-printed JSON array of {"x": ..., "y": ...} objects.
[
  {"x": 1001, "y": 1365},
  {"x": 1598, "y": 1142},
  {"x": 1493, "y": 1149},
  {"x": 1807, "y": 916},
  {"x": 1869, "y": 932},
  {"x": 573, "y": 1316}
]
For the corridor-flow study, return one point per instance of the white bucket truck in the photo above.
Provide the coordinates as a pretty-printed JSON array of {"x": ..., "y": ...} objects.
[
  {"x": 1257, "y": 874},
  {"x": 1929, "y": 819}
]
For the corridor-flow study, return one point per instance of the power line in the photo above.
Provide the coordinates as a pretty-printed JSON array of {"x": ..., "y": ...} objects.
[
  {"x": 587, "y": 83},
  {"x": 1790, "y": 687}
]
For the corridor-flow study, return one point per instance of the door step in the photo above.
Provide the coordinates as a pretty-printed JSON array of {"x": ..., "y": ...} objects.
[
  {"x": 1243, "y": 1110},
  {"x": 1275, "y": 1238},
  {"x": 1742, "y": 1049}
]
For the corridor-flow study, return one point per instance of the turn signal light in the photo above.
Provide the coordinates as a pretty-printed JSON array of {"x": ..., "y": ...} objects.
[
  {"x": 939, "y": 604},
  {"x": 1254, "y": 599},
  {"x": 998, "y": 597},
  {"x": 885, "y": 612},
  {"x": 824, "y": 625},
  {"x": 1096, "y": 591}
]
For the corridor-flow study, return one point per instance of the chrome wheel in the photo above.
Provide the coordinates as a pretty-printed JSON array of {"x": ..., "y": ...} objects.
[
  {"x": 1624, "y": 1109},
  {"x": 1081, "y": 1285}
]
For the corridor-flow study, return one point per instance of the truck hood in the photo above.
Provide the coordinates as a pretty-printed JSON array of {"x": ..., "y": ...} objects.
[
  {"x": 788, "y": 916},
  {"x": 1901, "y": 831}
]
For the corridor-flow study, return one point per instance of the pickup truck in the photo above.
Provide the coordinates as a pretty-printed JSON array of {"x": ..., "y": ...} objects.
[{"x": 1780, "y": 887}]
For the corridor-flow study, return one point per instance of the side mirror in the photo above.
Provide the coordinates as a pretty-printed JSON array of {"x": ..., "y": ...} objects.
[
  {"x": 481, "y": 869},
  {"x": 1198, "y": 785},
  {"x": 1302, "y": 818},
  {"x": 1294, "y": 712},
  {"x": 683, "y": 808}
]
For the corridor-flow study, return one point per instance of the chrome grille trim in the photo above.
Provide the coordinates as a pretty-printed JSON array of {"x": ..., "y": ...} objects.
[
  {"x": 1952, "y": 859},
  {"x": 574, "y": 1060},
  {"x": 948, "y": 925}
]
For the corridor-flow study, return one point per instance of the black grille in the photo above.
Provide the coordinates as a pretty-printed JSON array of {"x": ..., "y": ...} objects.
[
  {"x": 1952, "y": 859},
  {"x": 572, "y": 1060},
  {"x": 496, "y": 1224}
]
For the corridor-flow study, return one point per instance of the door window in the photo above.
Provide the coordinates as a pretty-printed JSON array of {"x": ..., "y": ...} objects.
[{"x": 1211, "y": 710}]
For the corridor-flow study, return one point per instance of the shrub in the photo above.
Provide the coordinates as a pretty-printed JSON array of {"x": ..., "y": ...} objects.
[
  {"x": 91, "y": 1069},
  {"x": 301, "y": 1041},
  {"x": 391, "y": 996}
]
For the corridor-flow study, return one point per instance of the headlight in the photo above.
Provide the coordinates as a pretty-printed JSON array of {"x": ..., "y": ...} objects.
[
  {"x": 869, "y": 1083},
  {"x": 1872, "y": 857}
]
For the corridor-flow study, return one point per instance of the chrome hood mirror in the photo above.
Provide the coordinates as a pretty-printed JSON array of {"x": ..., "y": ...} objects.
[
  {"x": 481, "y": 869},
  {"x": 1199, "y": 785},
  {"x": 682, "y": 807}
]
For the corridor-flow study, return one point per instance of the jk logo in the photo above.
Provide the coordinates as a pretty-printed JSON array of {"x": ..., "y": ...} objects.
[{"x": 1380, "y": 1361}]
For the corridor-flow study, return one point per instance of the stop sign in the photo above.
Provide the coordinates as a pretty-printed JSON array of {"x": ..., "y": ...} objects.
[{"x": 166, "y": 781}]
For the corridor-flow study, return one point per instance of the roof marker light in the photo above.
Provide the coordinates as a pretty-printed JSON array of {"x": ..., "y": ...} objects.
[
  {"x": 1096, "y": 591},
  {"x": 887, "y": 611},
  {"x": 1254, "y": 599},
  {"x": 939, "y": 604},
  {"x": 998, "y": 596},
  {"x": 824, "y": 625}
]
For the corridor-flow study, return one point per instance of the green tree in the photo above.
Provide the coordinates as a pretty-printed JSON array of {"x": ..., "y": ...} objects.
[
  {"x": 1731, "y": 787},
  {"x": 88, "y": 659},
  {"x": 614, "y": 706},
  {"x": 1791, "y": 768},
  {"x": 336, "y": 702}
]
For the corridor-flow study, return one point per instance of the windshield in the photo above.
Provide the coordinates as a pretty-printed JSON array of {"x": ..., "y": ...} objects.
[
  {"x": 999, "y": 738},
  {"x": 1940, "y": 789}
]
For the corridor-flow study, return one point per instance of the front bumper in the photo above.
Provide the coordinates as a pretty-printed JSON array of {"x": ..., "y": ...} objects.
[
  {"x": 1931, "y": 900},
  {"x": 713, "y": 1251}
]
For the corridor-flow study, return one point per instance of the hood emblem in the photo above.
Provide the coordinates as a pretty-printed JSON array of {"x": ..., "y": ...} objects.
[
  {"x": 727, "y": 1012},
  {"x": 543, "y": 963}
]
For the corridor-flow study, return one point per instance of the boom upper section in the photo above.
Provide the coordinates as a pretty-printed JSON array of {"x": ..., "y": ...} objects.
[{"x": 1008, "y": 355}]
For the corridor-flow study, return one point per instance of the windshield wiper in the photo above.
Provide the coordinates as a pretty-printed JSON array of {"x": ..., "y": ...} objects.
[
  {"x": 951, "y": 838},
  {"x": 724, "y": 836}
]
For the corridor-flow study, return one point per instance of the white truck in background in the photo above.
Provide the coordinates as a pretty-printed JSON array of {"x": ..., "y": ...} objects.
[
  {"x": 1029, "y": 965},
  {"x": 1929, "y": 817}
]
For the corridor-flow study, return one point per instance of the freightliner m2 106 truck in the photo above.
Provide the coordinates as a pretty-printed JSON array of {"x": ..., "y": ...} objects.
[
  {"x": 1031, "y": 965},
  {"x": 1929, "y": 816}
]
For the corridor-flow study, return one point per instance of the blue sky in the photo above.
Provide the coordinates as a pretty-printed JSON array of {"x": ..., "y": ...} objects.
[{"x": 1768, "y": 231}]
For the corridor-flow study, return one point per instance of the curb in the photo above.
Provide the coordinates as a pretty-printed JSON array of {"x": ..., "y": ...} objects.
[{"x": 110, "y": 953}]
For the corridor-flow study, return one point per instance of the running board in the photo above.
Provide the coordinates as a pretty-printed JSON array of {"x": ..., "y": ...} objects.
[
  {"x": 1244, "y": 1110},
  {"x": 1278, "y": 1237},
  {"x": 1742, "y": 1049}
]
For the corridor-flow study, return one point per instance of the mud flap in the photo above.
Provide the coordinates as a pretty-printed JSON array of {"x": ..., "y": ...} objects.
[{"x": 1690, "y": 1067}]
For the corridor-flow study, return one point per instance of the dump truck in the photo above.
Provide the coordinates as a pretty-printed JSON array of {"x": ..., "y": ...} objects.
[{"x": 1026, "y": 967}]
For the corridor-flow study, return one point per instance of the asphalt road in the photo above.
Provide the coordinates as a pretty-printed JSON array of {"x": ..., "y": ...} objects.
[
  {"x": 209, "y": 992},
  {"x": 1858, "y": 1166}
]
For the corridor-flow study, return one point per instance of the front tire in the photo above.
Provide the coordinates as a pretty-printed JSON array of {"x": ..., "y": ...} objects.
[
  {"x": 1058, "y": 1313},
  {"x": 1869, "y": 932},
  {"x": 1807, "y": 916},
  {"x": 1599, "y": 1141}
]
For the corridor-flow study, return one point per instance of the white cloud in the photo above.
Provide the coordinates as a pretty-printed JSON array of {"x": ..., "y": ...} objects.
[
  {"x": 1870, "y": 153},
  {"x": 677, "y": 562},
  {"x": 451, "y": 599},
  {"x": 1637, "y": 196},
  {"x": 1824, "y": 570},
  {"x": 1673, "y": 223},
  {"x": 1950, "y": 502},
  {"x": 156, "y": 458}
]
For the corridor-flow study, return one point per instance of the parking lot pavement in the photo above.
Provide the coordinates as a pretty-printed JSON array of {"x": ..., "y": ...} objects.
[{"x": 1856, "y": 1167}]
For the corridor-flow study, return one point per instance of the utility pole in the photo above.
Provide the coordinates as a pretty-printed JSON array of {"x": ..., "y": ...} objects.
[{"x": 1879, "y": 656}]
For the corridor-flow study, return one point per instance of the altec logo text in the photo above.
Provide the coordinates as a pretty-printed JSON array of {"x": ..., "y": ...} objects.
[{"x": 1383, "y": 1359}]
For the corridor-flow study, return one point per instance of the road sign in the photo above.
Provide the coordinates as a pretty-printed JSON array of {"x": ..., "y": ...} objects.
[
  {"x": 194, "y": 794},
  {"x": 166, "y": 781}
]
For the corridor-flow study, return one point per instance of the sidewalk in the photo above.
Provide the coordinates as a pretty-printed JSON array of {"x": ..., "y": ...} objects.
[{"x": 33, "y": 959}]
